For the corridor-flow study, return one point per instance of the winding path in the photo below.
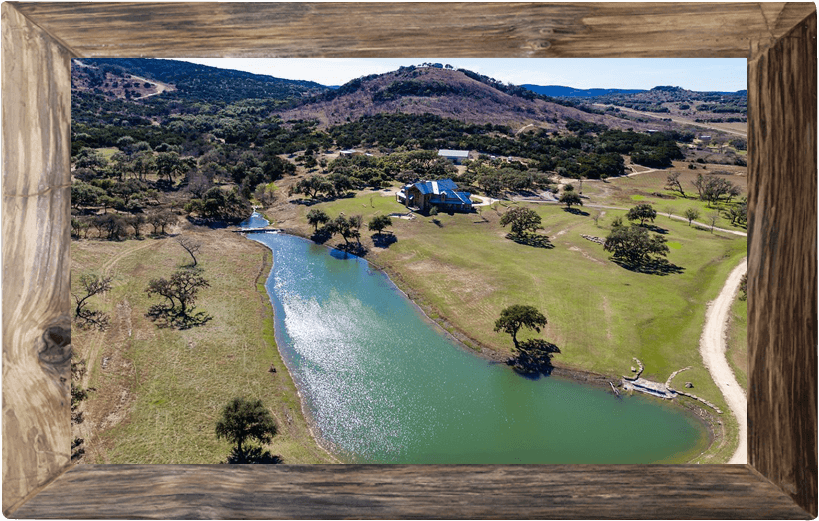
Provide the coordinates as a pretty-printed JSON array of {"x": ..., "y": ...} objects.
[{"x": 712, "y": 349}]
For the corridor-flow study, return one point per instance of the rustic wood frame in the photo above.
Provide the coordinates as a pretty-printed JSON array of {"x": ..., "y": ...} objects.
[{"x": 779, "y": 41}]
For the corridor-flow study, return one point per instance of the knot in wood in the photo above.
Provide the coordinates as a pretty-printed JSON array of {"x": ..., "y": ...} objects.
[{"x": 55, "y": 348}]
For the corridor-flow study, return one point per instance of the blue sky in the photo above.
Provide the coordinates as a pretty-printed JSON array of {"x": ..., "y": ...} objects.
[{"x": 700, "y": 74}]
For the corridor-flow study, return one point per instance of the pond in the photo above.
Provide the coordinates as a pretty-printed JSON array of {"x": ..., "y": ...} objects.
[{"x": 381, "y": 383}]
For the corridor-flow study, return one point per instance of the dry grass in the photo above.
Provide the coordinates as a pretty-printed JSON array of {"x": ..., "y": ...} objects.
[{"x": 159, "y": 391}]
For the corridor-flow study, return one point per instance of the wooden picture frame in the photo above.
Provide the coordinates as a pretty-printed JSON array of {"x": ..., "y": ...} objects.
[{"x": 779, "y": 41}]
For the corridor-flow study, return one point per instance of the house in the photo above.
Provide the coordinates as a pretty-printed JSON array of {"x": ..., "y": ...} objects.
[
  {"x": 351, "y": 152},
  {"x": 441, "y": 194},
  {"x": 456, "y": 156}
]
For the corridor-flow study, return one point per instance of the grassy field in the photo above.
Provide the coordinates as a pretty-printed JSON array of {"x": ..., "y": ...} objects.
[
  {"x": 462, "y": 268},
  {"x": 160, "y": 391},
  {"x": 650, "y": 188}
]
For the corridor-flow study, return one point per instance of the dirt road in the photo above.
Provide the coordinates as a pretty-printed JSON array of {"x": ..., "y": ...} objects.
[{"x": 712, "y": 349}]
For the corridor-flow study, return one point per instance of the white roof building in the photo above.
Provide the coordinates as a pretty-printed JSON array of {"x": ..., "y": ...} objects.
[{"x": 454, "y": 155}]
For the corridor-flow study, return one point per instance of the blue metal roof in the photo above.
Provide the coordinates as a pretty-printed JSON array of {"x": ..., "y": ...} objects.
[
  {"x": 436, "y": 187},
  {"x": 452, "y": 197}
]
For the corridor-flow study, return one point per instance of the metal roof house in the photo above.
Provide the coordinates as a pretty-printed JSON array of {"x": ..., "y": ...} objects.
[
  {"x": 455, "y": 156},
  {"x": 441, "y": 194}
]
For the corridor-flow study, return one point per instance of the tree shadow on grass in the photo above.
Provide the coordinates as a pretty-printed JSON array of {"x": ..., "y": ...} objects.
[
  {"x": 576, "y": 211},
  {"x": 533, "y": 358},
  {"x": 656, "y": 229},
  {"x": 167, "y": 317},
  {"x": 534, "y": 240},
  {"x": 383, "y": 240},
  {"x": 252, "y": 455},
  {"x": 650, "y": 267}
]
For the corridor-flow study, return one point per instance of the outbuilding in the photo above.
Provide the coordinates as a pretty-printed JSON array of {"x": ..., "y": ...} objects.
[{"x": 456, "y": 156}]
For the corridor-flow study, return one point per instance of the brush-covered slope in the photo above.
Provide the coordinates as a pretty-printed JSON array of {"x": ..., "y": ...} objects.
[
  {"x": 458, "y": 94},
  {"x": 181, "y": 81}
]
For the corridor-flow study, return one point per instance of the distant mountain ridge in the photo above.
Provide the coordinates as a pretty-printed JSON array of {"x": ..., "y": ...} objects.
[
  {"x": 571, "y": 92},
  {"x": 559, "y": 91}
]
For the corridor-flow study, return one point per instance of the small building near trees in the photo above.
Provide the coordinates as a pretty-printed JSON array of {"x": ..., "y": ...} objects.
[
  {"x": 456, "y": 156},
  {"x": 442, "y": 194}
]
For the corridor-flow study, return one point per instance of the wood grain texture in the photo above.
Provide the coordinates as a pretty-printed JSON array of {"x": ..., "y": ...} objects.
[
  {"x": 782, "y": 306},
  {"x": 414, "y": 29},
  {"x": 36, "y": 198},
  {"x": 782, "y": 263},
  {"x": 412, "y": 491}
]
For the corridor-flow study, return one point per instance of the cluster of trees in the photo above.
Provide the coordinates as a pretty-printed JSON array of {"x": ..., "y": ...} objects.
[
  {"x": 326, "y": 227},
  {"x": 349, "y": 228},
  {"x": 357, "y": 172},
  {"x": 494, "y": 176},
  {"x": 713, "y": 187},
  {"x": 220, "y": 205},
  {"x": 398, "y": 89},
  {"x": 115, "y": 226},
  {"x": 633, "y": 245},
  {"x": 594, "y": 152}
]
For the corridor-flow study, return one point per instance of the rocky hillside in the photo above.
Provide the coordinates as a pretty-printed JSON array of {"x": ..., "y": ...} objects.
[{"x": 448, "y": 93}]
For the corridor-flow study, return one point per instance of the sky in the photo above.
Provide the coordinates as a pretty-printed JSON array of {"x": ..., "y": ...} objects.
[{"x": 699, "y": 74}]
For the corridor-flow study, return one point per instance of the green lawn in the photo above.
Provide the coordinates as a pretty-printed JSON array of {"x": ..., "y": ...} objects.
[{"x": 643, "y": 188}]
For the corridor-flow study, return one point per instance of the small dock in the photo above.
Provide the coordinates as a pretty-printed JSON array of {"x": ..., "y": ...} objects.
[{"x": 647, "y": 386}]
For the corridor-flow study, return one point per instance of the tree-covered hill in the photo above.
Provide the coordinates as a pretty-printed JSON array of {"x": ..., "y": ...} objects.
[{"x": 193, "y": 82}]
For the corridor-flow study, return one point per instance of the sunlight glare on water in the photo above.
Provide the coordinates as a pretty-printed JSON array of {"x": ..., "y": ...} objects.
[{"x": 384, "y": 385}]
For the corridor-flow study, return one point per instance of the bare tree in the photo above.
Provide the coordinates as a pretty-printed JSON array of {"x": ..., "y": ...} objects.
[
  {"x": 712, "y": 218},
  {"x": 673, "y": 183},
  {"x": 91, "y": 285},
  {"x": 191, "y": 246}
]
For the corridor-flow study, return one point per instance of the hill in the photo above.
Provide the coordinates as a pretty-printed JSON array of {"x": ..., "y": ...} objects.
[
  {"x": 182, "y": 81},
  {"x": 448, "y": 93}
]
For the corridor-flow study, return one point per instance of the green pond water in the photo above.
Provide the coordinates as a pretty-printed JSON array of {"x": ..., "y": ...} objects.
[{"x": 382, "y": 384}]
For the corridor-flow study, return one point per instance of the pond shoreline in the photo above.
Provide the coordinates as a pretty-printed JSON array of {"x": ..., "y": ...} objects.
[{"x": 712, "y": 425}]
